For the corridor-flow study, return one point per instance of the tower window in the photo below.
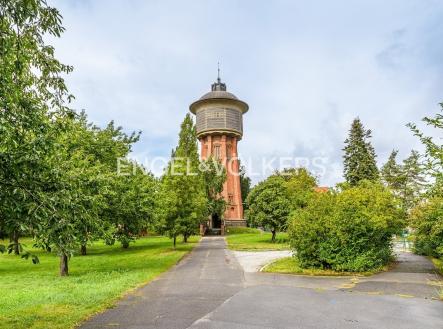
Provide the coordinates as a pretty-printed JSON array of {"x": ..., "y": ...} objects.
[
  {"x": 217, "y": 153},
  {"x": 230, "y": 199}
]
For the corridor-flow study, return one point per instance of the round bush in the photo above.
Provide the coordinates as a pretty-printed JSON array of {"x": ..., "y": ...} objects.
[{"x": 349, "y": 230}]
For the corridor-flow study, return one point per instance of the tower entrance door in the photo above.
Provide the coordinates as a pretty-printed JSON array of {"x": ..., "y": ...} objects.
[{"x": 216, "y": 221}]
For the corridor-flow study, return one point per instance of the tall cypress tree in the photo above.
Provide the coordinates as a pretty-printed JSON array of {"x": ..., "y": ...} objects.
[{"x": 359, "y": 158}]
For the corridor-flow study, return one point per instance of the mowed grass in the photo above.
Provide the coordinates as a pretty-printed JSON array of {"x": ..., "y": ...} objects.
[
  {"x": 256, "y": 241},
  {"x": 290, "y": 265},
  {"x": 34, "y": 296},
  {"x": 438, "y": 263}
]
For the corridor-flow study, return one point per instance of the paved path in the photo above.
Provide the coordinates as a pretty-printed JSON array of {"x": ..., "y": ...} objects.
[
  {"x": 209, "y": 289},
  {"x": 196, "y": 286},
  {"x": 413, "y": 276}
]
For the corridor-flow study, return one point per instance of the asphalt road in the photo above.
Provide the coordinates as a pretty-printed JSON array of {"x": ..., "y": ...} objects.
[
  {"x": 196, "y": 286},
  {"x": 209, "y": 289}
]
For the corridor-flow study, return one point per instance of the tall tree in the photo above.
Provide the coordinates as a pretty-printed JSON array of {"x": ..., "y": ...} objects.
[
  {"x": 414, "y": 181},
  {"x": 269, "y": 205},
  {"x": 407, "y": 180},
  {"x": 132, "y": 204},
  {"x": 32, "y": 94},
  {"x": 182, "y": 199},
  {"x": 434, "y": 151},
  {"x": 300, "y": 184},
  {"x": 359, "y": 158},
  {"x": 391, "y": 173}
]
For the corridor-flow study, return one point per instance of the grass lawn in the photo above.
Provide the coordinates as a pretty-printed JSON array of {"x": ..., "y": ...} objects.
[
  {"x": 438, "y": 263},
  {"x": 34, "y": 296},
  {"x": 289, "y": 265},
  {"x": 255, "y": 240}
]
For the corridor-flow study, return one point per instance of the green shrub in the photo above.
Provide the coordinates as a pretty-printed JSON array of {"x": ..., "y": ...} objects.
[
  {"x": 347, "y": 231},
  {"x": 427, "y": 222}
]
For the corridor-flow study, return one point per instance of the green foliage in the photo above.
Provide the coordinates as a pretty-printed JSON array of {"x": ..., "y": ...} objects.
[
  {"x": 414, "y": 181},
  {"x": 359, "y": 155},
  {"x": 32, "y": 95},
  {"x": 214, "y": 176},
  {"x": 269, "y": 205},
  {"x": 131, "y": 205},
  {"x": 242, "y": 230},
  {"x": 58, "y": 173},
  {"x": 427, "y": 222},
  {"x": 245, "y": 185},
  {"x": 300, "y": 186},
  {"x": 182, "y": 202},
  {"x": 407, "y": 181},
  {"x": 427, "y": 217},
  {"x": 35, "y": 297},
  {"x": 391, "y": 173},
  {"x": 434, "y": 152},
  {"x": 256, "y": 241},
  {"x": 290, "y": 265},
  {"x": 271, "y": 201},
  {"x": 349, "y": 230}
]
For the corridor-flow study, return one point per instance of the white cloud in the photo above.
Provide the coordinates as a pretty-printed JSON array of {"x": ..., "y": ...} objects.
[{"x": 305, "y": 68}]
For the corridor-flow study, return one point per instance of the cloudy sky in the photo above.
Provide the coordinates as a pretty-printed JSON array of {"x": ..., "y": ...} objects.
[{"x": 306, "y": 68}]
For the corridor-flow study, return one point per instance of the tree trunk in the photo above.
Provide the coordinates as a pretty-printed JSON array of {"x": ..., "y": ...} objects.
[
  {"x": 64, "y": 265},
  {"x": 15, "y": 237},
  {"x": 83, "y": 250},
  {"x": 125, "y": 244},
  {"x": 185, "y": 238},
  {"x": 273, "y": 235},
  {"x": 175, "y": 241}
]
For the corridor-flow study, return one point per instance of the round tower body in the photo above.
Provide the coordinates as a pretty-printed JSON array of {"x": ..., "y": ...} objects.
[{"x": 219, "y": 123}]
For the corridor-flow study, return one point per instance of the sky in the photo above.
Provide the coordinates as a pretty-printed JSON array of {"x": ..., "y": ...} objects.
[{"x": 306, "y": 69}]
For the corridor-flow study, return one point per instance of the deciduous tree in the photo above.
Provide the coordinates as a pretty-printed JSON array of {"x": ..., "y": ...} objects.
[
  {"x": 269, "y": 204},
  {"x": 434, "y": 151},
  {"x": 32, "y": 94}
]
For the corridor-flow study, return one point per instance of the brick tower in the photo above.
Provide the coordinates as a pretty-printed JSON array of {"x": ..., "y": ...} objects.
[{"x": 219, "y": 116}]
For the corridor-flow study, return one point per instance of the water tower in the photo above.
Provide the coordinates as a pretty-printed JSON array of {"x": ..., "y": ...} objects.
[{"x": 219, "y": 120}]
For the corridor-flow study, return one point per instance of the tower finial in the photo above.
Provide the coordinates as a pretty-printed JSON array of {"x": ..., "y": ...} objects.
[{"x": 218, "y": 85}]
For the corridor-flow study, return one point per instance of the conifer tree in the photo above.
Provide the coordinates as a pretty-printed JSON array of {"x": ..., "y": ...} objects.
[
  {"x": 359, "y": 157},
  {"x": 413, "y": 179},
  {"x": 391, "y": 173},
  {"x": 182, "y": 200},
  {"x": 407, "y": 180}
]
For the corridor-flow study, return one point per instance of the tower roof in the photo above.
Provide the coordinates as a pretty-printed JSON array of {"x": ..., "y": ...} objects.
[{"x": 218, "y": 92}]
